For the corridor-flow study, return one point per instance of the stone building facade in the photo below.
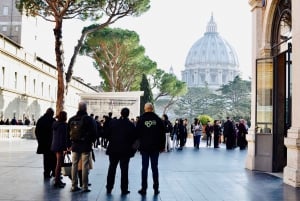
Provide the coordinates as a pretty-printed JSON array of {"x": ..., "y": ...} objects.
[
  {"x": 274, "y": 140},
  {"x": 28, "y": 84}
]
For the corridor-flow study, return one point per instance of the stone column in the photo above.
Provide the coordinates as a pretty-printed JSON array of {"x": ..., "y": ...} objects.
[
  {"x": 291, "y": 174},
  {"x": 256, "y": 45}
]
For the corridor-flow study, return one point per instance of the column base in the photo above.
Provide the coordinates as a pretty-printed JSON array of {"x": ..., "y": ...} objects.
[
  {"x": 250, "y": 159},
  {"x": 291, "y": 173},
  {"x": 291, "y": 176}
]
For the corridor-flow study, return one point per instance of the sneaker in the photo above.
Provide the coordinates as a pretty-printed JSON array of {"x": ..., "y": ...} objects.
[
  {"x": 142, "y": 192},
  {"x": 156, "y": 192},
  {"x": 75, "y": 189}
]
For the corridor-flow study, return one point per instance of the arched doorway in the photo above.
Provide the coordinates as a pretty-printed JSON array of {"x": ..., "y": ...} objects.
[
  {"x": 273, "y": 94},
  {"x": 281, "y": 41}
]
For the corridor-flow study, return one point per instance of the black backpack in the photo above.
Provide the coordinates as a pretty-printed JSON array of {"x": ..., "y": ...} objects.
[{"x": 76, "y": 129}]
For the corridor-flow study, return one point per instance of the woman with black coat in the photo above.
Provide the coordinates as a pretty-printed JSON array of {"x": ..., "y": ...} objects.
[{"x": 60, "y": 143}]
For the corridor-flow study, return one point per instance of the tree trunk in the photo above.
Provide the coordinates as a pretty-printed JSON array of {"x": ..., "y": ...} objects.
[{"x": 60, "y": 67}]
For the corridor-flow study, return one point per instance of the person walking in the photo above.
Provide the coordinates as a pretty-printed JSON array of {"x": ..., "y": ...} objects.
[
  {"x": 197, "y": 132},
  {"x": 121, "y": 137},
  {"x": 168, "y": 129},
  {"x": 175, "y": 134},
  {"x": 152, "y": 138},
  {"x": 43, "y": 133},
  {"x": 181, "y": 134},
  {"x": 229, "y": 133},
  {"x": 82, "y": 132},
  {"x": 242, "y": 131},
  {"x": 208, "y": 131},
  {"x": 60, "y": 144},
  {"x": 217, "y": 133}
]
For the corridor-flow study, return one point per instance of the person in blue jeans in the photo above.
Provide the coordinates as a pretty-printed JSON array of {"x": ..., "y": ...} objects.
[{"x": 151, "y": 135}]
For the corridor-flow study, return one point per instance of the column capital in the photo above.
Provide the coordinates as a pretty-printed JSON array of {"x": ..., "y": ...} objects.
[{"x": 255, "y": 4}]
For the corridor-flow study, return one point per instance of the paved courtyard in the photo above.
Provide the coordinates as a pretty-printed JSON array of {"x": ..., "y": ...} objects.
[{"x": 206, "y": 174}]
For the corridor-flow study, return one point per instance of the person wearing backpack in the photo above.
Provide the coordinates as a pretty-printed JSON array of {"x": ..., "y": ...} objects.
[{"x": 82, "y": 132}]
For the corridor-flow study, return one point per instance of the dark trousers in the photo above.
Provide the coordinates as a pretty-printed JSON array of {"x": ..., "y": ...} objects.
[
  {"x": 153, "y": 157},
  {"x": 197, "y": 141},
  {"x": 182, "y": 140},
  {"x": 216, "y": 141},
  {"x": 113, "y": 163},
  {"x": 230, "y": 141},
  {"x": 49, "y": 163},
  {"x": 208, "y": 140}
]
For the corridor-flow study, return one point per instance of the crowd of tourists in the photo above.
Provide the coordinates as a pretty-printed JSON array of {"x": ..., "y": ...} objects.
[
  {"x": 230, "y": 133},
  {"x": 14, "y": 121},
  {"x": 122, "y": 137}
]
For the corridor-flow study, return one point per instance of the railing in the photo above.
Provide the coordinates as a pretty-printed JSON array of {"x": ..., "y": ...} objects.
[{"x": 16, "y": 132}]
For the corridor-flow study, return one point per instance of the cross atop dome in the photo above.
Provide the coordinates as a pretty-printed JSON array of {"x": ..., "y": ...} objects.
[{"x": 211, "y": 25}]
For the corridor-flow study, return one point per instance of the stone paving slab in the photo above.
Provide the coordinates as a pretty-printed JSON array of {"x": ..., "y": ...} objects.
[{"x": 189, "y": 175}]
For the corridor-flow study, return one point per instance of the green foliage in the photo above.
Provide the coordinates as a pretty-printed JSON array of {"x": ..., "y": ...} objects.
[
  {"x": 195, "y": 102},
  {"x": 205, "y": 118},
  {"x": 168, "y": 84},
  {"x": 87, "y": 9},
  {"x": 148, "y": 96},
  {"x": 234, "y": 101},
  {"x": 237, "y": 100},
  {"x": 119, "y": 58}
]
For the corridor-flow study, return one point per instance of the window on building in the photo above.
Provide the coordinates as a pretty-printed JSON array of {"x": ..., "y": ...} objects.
[
  {"x": 25, "y": 83},
  {"x": 34, "y": 84},
  {"x": 4, "y": 28},
  {"x": 49, "y": 91},
  {"x": 264, "y": 95},
  {"x": 42, "y": 88},
  {"x": 3, "y": 76},
  {"x": 16, "y": 80},
  {"x": 5, "y": 10},
  {"x": 17, "y": 28}
]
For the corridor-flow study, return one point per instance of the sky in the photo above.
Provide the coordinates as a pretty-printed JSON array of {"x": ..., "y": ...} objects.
[{"x": 170, "y": 28}]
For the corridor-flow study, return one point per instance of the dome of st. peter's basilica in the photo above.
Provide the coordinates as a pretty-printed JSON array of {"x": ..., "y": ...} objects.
[{"x": 211, "y": 60}]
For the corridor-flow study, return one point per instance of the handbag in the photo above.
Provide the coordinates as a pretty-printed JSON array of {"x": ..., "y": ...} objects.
[{"x": 66, "y": 167}]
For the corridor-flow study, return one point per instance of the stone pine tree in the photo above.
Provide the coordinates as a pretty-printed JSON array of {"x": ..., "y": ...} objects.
[
  {"x": 105, "y": 12},
  {"x": 148, "y": 96},
  {"x": 119, "y": 58}
]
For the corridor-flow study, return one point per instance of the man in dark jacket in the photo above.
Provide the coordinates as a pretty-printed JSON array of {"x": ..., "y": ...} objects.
[
  {"x": 151, "y": 134},
  {"x": 121, "y": 137},
  {"x": 229, "y": 133},
  {"x": 82, "y": 148},
  {"x": 43, "y": 133}
]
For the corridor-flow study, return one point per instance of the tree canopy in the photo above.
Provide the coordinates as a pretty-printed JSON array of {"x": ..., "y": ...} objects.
[
  {"x": 119, "y": 58},
  {"x": 56, "y": 11},
  {"x": 232, "y": 99}
]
